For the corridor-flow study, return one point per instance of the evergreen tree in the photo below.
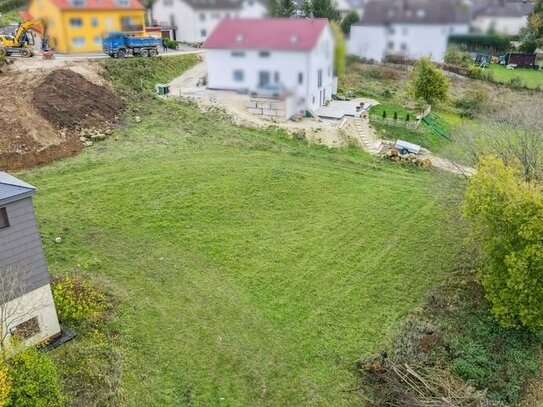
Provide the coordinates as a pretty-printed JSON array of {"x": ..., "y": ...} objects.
[
  {"x": 321, "y": 9},
  {"x": 282, "y": 8},
  {"x": 349, "y": 20}
]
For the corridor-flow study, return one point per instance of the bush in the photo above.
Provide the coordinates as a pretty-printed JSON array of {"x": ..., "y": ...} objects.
[
  {"x": 455, "y": 56},
  {"x": 481, "y": 42},
  {"x": 516, "y": 82},
  {"x": 474, "y": 101},
  {"x": 395, "y": 115},
  {"x": 384, "y": 114},
  {"x": 77, "y": 299},
  {"x": 428, "y": 82},
  {"x": 5, "y": 384},
  {"x": 34, "y": 381}
]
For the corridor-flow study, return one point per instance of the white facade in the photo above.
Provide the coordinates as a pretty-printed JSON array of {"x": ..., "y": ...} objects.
[
  {"x": 35, "y": 304},
  {"x": 308, "y": 75},
  {"x": 193, "y": 25},
  {"x": 499, "y": 24},
  {"x": 412, "y": 41}
]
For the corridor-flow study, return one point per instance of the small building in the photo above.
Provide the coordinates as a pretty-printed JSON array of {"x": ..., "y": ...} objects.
[
  {"x": 194, "y": 20},
  {"x": 75, "y": 26},
  {"x": 286, "y": 58},
  {"x": 25, "y": 292},
  {"x": 506, "y": 18},
  {"x": 521, "y": 60},
  {"x": 410, "y": 29}
]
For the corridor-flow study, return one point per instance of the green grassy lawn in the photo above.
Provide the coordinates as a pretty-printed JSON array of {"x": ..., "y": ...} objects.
[
  {"x": 391, "y": 108},
  {"x": 528, "y": 77},
  {"x": 250, "y": 269}
]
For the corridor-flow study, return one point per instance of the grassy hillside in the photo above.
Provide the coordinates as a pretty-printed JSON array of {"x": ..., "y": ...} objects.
[{"x": 250, "y": 269}]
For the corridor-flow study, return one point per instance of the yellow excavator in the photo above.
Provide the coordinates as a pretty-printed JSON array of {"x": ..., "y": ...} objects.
[{"x": 22, "y": 41}]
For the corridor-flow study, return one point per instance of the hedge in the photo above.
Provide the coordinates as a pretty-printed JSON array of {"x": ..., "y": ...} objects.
[{"x": 481, "y": 42}]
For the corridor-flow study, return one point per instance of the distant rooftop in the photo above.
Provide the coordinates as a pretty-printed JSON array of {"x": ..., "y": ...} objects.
[
  {"x": 503, "y": 10},
  {"x": 383, "y": 12},
  {"x": 12, "y": 189},
  {"x": 214, "y": 4}
]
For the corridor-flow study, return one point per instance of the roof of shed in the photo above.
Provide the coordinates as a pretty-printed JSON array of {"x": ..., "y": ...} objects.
[
  {"x": 383, "y": 12},
  {"x": 12, "y": 188},
  {"x": 286, "y": 34}
]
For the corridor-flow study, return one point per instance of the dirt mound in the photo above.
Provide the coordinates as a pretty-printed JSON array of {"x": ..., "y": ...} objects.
[{"x": 67, "y": 100}]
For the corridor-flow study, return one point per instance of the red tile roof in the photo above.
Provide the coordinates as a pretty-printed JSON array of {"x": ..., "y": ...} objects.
[
  {"x": 285, "y": 34},
  {"x": 98, "y": 5}
]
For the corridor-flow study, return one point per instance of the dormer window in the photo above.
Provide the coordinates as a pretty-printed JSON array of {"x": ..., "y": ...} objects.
[
  {"x": 294, "y": 39},
  {"x": 4, "y": 222},
  {"x": 78, "y": 3},
  {"x": 123, "y": 3},
  {"x": 421, "y": 13},
  {"x": 239, "y": 37}
]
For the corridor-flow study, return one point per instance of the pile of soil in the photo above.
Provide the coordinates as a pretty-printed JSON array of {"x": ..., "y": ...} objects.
[
  {"x": 42, "y": 112},
  {"x": 67, "y": 100}
]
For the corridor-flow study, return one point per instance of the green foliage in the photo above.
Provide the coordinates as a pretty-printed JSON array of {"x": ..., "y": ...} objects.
[
  {"x": 76, "y": 299},
  {"x": 481, "y": 42},
  {"x": 407, "y": 117},
  {"x": 282, "y": 8},
  {"x": 428, "y": 82},
  {"x": 395, "y": 115},
  {"x": 145, "y": 73},
  {"x": 9, "y": 5},
  {"x": 384, "y": 114},
  {"x": 455, "y": 56},
  {"x": 171, "y": 44},
  {"x": 506, "y": 218},
  {"x": 321, "y": 9},
  {"x": 474, "y": 101},
  {"x": 528, "y": 46},
  {"x": 535, "y": 20},
  {"x": 34, "y": 381},
  {"x": 349, "y": 20},
  {"x": 340, "y": 50}
]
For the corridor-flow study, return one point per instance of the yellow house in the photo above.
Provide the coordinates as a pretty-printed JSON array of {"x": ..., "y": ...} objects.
[{"x": 79, "y": 25}]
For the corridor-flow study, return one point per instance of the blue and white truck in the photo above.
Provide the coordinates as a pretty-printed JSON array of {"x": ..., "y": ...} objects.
[{"x": 119, "y": 45}]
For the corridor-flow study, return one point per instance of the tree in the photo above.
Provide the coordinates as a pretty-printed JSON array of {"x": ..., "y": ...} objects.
[
  {"x": 535, "y": 19},
  {"x": 321, "y": 9},
  {"x": 282, "y": 8},
  {"x": 511, "y": 132},
  {"x": 528, "y": 46},
  {"x": 505, "y": 214},
  {"x": 340, "y": 49},
  {"x": 428, "y": 82},
  {"x": 349, "y": 20}
]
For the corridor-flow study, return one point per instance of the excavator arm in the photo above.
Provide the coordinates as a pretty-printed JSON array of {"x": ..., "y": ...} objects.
[{"x": 17, "y": 40}]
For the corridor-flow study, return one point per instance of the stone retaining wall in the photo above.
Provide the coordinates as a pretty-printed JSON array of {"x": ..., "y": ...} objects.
[{"x": 268, "y": 109}]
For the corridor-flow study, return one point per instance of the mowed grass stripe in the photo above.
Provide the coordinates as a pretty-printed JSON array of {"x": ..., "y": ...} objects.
[{"x": 252, "y": 269}]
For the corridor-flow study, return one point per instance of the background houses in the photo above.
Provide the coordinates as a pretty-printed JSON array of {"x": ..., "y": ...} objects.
[
  {"x": 407, "y": 28},
  {"x": 500, "y": 17},
  {"x": 193, "y": 21},
  {"x": 26, "y": 302},
  {"x": 294, "y": 56}
]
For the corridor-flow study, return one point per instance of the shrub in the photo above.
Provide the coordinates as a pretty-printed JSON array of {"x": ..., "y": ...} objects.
[
  {"x": 395, "y": 115},
  {"x": 474, "y": 101},
  {"x": 34, "y": 381},
  {"x": 407, "y": 117},
  {"x": 384, "y": 114},
  {"x": 5, "y": 384},
  {"x": 428, "y": 82},
  {"x": 77, "y": 299},
  {"x": 516, "y": 82},
  {"x": 455, "y": 56},
  {"x": 349, "y": 20},
  {"x": 481, "y": 42}
]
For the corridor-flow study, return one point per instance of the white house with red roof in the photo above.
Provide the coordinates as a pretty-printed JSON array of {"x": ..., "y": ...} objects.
[{"x": 275, "y": 56}]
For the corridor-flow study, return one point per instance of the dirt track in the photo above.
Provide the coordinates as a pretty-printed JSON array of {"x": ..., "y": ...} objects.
[{"x": 43, "y": 110}]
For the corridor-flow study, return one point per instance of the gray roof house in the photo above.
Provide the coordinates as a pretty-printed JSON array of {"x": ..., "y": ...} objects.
[
  {"x": 409, "y": 28},
  {"x": 501, "y": 17},
  {"x": 25, "y": 291}
]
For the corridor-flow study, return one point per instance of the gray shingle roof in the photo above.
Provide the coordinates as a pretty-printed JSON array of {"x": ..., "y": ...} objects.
[
  {"x": 12, "y": 188},
  {"x": 382, "y": 12},
  {"x": 503, "y": 10}
]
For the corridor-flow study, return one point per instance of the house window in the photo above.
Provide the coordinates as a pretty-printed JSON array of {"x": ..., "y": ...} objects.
[
  {"x": 300, "y": 78},
  {"x": 123, "y": 3},
  {"x": 4, "y": 222},
  {"x": 203, "y": 33},
  {"x": 168, "y": 3},
  {"x": 319, "y": 78},
  {"x": 78, "y": 3},
  {"x": 172, "y": 20},
  {"x": 391, "y": 45},
  {"x": 238, "y": 75},
  {"x": 78, "y": 41},
  {"x": 76, "y": 22},
  {"x": 264, "y": 54},
  {"x": 404, "y": 31},
  {"x": 404, "y": 46},
  {"x": 94, "y": 22},
  {"x": 238, "y": 54},
  {"x": 27, "y": 329},
  {"x": 391, "y": 30},
  {"x": 276, "y": 77},
  {"x": 215, "y": 16},
  {"x": 202, "y": 17},
  {"x": 97, "y": 40}
]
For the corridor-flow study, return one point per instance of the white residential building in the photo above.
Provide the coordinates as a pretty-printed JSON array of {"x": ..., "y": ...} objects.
[
  {"x": 501, "y": 18},
  {"x": 410, "y": 28},
  {"x": 193, "y": 20},
  {"x": 295, "y": 56}
]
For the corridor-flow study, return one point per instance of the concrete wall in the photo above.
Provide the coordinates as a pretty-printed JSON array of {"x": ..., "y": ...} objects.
[{"x": 37, "y": 303}]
